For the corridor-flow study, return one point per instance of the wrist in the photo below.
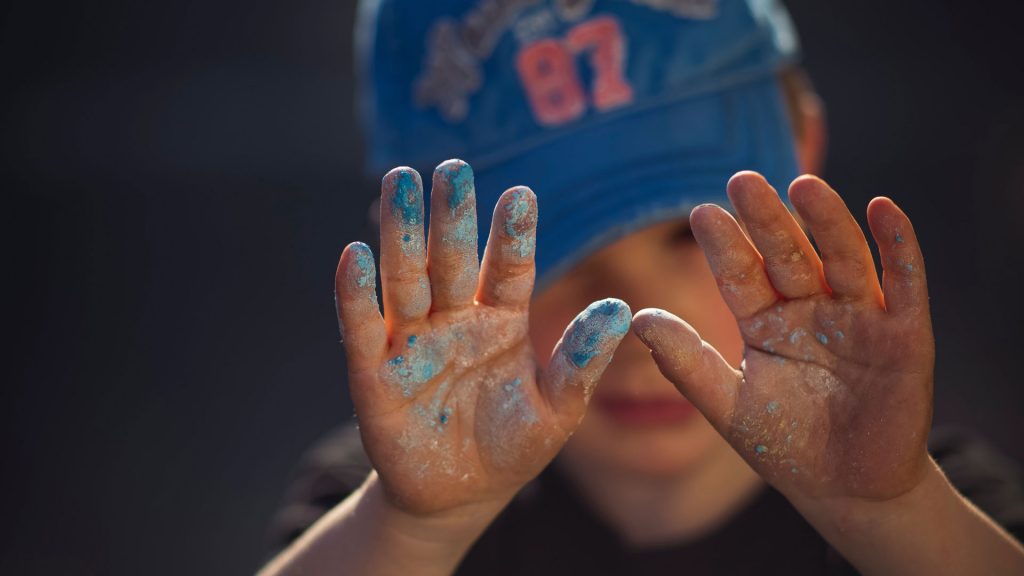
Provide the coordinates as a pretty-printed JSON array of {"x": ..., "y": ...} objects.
[
  {"x": 447, "y": 532},
  {"x": 930, "y": 529},
  {"x": 366, "y": 534},
  {"x": 857, "y": 518}
]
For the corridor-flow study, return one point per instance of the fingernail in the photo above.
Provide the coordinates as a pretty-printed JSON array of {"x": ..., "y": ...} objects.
[{"x": 596, "y": 329}]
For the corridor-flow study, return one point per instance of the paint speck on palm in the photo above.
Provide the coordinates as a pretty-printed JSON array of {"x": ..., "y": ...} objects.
[
  {"x": 406, "y": 237},
  {"x": 760, "y": 449},
  {"x": 899, "y": 238},
  {"x": 772, "y": 407},
  {"x": 412, "y": 372},
  {"x": 515, "y": 403},
  {"x": 594, "y": 328},
  {"x": 822, "y": 338},
  {"x": 411, "y": 341}
]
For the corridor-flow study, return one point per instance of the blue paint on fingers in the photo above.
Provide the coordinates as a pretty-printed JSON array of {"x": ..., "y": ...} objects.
[
  {"x": 460, "y": 179},
  {"x": 596, "y": 329},
  {"x": 520, "y": 222},
  {"x": 367, "y": 270},
  {"x": 407, "y": 201}
]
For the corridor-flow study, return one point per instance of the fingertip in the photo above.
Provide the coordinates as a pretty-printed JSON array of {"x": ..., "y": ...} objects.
[
  {"x": 745, "y": 178},
  {"x": 597, "y": 329},
  {"x": 518, "y": 207},
  {"x": 455, "y": 177},
  {"x": 883, "y": 206},
  {"x": 705, "y": 215},
  {"x": 662, "y": 331},
  {"x": 745, "y": 182},
  {"x": 402, "y": 189},
  {"x": 516, "y": 214},
  {"x": 653, "y": 316},
  {"x": 813, "y": 198},
  {"x": 357, "y": 267}
]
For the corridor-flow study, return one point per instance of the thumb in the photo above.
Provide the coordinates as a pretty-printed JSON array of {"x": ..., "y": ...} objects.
[
  {"x": 693, "y": 365},
  {"x": 580, "y": 357}
]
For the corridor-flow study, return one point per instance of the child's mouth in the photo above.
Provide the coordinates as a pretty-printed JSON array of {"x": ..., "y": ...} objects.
[{"x": 651, "y": 411}]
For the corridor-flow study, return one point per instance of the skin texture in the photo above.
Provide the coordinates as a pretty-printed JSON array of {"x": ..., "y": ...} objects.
[
  {"x": 452, "y": 407},
  {"x": 834, "y": 396},
  {"x": 831, "y": 402}
]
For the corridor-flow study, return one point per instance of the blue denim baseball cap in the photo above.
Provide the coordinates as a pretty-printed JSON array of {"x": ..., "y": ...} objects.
[{"x": 617, "y": 113}]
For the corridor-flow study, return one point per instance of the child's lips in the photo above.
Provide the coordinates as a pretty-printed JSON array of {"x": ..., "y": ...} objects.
[{"x": 652, "y": 411}]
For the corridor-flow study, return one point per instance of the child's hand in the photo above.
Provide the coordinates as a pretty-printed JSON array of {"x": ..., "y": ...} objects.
[
  {"x": 834, "y": 397},
  {"x": 451, "y": 407}
]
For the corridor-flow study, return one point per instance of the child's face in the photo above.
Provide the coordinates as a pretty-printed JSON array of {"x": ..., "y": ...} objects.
[{"x": 637, "y": 422}]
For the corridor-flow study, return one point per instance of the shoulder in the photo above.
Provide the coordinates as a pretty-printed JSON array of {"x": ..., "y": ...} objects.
[
  {"x": 988, "y": 478},
  {"x": 328, "y": 472}
]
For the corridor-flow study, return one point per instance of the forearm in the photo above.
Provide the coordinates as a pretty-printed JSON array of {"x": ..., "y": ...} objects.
[
  {"x": 931, "y": 530},
  {"x": 366, "y": 535}
]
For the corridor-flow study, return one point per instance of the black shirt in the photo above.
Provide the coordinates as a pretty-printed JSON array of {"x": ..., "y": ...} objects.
[{"x": 547, "y": 529}]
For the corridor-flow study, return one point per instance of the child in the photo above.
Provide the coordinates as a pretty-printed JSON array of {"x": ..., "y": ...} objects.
[{"x": 798, "y": 444}]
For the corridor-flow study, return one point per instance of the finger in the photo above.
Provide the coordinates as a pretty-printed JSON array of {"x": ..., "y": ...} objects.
[
  {"x": 452, "y": 259},
  {"x": 359, "y": 319},
  {"x": 903, "y": 276},
  {"x": 737, "y": 266},
  {"x": 403, "y": 263},
  {"x": 580, "y": 357},
  {"x": 507, "y": 270},
  {"x": 694, "y": 366},
  {"x": 790, "y": 261},
  {"x": 849, "y": 269}
]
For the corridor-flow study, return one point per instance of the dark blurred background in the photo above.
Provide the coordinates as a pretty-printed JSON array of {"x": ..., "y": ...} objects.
[{"x": 180, "y": 177}]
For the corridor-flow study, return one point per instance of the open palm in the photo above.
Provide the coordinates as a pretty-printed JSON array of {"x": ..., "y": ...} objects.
[
  {"x": 834, "y": 395},
  {"x": 451, "y": 406}
]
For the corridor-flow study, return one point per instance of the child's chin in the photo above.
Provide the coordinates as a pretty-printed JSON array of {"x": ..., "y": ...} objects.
[{"x": 663, "y": 451}]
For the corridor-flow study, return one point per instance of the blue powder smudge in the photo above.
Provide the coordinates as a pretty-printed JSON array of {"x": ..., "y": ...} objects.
[
  {"x": 407, "y": 200},
  {"x": 796, "y": 335},
  {"x": 464, "y": 230},
  {"x": 822, "y": 338},
  {"x": 600, "y": 323},
  {"x": 909, "y": 267},
  {"x": 460, "y": 178},
  {"x": 839, "y": 334},
  {"x": 444, "y": 416},
  {"x": 517, "y": 210},
  {"x": 411, "y": 340},
  {"x": 364, "y": 261},
  {"x": 772, "y": 407},
  {"x": 899, "y": 238},
  {"x": 406, "y": 237},
  {"x": 760, "y": 448},
  {"x": 412, "y": 374}
]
